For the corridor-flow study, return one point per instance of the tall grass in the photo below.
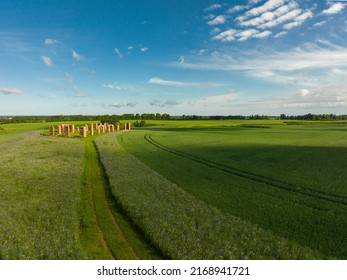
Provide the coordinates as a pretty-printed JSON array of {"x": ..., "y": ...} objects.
[
  {"x": 39, "y": 194},
  {"x": 182, "y": 226}
]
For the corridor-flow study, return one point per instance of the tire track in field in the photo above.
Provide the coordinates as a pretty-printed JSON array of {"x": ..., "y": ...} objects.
[
  {"x": 254, "y": 177},
  {"x": 110, "y": 233}
]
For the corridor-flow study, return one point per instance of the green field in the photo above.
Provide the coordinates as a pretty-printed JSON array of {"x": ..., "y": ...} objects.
[
  {"x": 56, "y": 203},
  {"x": 178, "y": 189},
  {"x": 289, "y": 180}
]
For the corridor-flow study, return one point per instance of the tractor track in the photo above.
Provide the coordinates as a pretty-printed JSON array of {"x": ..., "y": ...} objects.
[
  {"x": 110, "y": 233},
  {"x": 254, "y": 177}
]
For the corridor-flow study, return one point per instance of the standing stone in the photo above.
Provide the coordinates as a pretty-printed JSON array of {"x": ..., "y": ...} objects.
[
  {"x": 83, "y": 131},
  {"x": 72, "y": 128},
  {"x": 118, "y": 126},
  {"x": 59, "y": 129},
  {"x": 98, "y": 129},
  {"x": 66, "y": 130},
  {"x": 91, "y": 129},
  {"x": 51, "y": 130},
  {"x": 112, "y": 127},
  {"x": 129, "y": 126},
  {"x": 125, "y": 126}
]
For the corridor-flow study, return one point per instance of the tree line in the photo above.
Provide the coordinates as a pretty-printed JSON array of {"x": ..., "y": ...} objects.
[{"x": 157, "y": 116}]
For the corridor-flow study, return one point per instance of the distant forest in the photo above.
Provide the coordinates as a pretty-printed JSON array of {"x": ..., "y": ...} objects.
[{"x": 158, "y": 116}]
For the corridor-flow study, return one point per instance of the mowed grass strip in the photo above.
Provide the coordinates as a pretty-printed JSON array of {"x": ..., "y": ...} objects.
[
  {"x": 182, "y": 226},
  {"x": 39, "y": 196},
  {"x": 104, "y": 231}
]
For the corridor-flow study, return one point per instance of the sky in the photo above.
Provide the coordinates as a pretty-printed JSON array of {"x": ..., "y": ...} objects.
[{"x": 203, "y": 57}]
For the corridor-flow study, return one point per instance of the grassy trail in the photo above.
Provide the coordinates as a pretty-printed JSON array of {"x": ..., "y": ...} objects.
[{"x": 104, "y": 232}]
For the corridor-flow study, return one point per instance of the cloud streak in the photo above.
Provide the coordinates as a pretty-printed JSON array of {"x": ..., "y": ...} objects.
[
  {"x": 76, "y": 55},
  {"x": 159, "y": 81},
  {"x": 51, "y": 42},
  {"x": 117, "y": 51},
  {"x": 161, "y": 104},
  {"x": 47, "y": 61},
  {"x": 11, "y": 91}
]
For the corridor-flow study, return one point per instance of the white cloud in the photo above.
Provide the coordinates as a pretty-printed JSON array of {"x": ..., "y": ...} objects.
[
  {"x": 159, "y": 81},
  {"x": 51, "y": 42},
  {"x": 117, "y": 51},
  {"x": 118, "y": 86},
  {"x": 236, "y": 9},
  {"x": 213, "y": 7},
  {"x": 280, "y": 34},
  {"x": 334, "y": 9},
  {"x": 167, "y": 103},
  {"x": 76, "y": 56},
  {"x": 11, "y": 90},
  {"x": 226, "y": 36},
  {"x": 217, "y": 20},
  {"x": 275, "y": 17},
  {"x": 130, "y": 48},
  {"x": 317, "y": 24},
  {"x": 263, "y": 34},
  {"x": 181, "y": 59},
  {"x": 241, "y": 35},
  {"x": 246, "y": 34},
  {"x": 299, "y": 20},
  {"x": 47, "y": 60},
  {"x": 252, "y": 2},
  {"x": 310, "y": 59},
  {"x": 281, "y": 19},
  {"x": 215, "y": 100},
  {"x": 303, "y": 92},
  {"x": 202, "y": 51},
  {"x": 268, "y": 6},
  {"x": 215, "y": 30},
  {"x": 144, "y": 49}
]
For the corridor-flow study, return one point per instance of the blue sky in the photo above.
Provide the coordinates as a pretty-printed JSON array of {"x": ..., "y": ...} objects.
[{"x": 173, "y": 56}]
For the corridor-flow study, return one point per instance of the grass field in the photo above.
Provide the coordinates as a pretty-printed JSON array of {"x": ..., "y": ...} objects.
[
  {"x": 56, "y": 203},
  {"x": 180, "y": 189},
  {"x": 40, "y": 179},
  {"x": 290, "y": 180}
]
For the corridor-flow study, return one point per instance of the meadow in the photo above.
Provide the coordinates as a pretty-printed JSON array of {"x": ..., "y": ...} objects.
[
  {"x": 262, "y": 189},
  {"x": 55, "y": 201}
]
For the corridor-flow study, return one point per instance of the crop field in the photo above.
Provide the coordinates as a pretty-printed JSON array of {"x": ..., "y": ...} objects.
[
  {"x": 288, "y": 180},
  {"x": 55, "y": 201},
  {"x": 176, "y": 190}
]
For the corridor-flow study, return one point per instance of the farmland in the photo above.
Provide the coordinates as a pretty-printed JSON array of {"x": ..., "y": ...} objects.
[
  {"x": 55, "y": 201},
  {"x": 289, "y": 180},
  {"x": 179, "y": 189}
]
